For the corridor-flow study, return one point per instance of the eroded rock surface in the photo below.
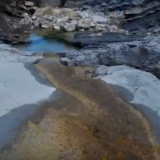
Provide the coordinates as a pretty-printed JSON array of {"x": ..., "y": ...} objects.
[
  {"x": 137, "y": 87},
  {"x": 88, "y": 123},
  {"x": 22, "y": 90}
]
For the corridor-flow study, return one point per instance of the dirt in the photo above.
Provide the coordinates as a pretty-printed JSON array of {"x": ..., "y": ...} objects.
[{"x": 88, "y": 122}]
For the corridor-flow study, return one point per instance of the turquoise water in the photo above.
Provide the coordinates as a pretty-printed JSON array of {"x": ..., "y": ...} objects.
[{"x": 40, "y": 44}]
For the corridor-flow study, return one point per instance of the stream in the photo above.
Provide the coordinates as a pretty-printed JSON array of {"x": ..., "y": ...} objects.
[{"x": 45, "y": 41}]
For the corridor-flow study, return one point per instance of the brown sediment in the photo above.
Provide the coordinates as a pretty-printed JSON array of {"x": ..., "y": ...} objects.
[{"x": 88, "y": 122}]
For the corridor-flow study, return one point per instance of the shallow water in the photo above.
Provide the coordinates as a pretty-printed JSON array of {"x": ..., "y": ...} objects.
[{"x": 40, "y": 44}]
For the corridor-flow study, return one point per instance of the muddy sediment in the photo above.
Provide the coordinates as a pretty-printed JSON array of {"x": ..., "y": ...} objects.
[{"x": 88, "y": 122}]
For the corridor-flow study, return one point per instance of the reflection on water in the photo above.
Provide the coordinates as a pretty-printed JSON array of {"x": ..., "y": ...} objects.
[{"x": 47, "y": 45}]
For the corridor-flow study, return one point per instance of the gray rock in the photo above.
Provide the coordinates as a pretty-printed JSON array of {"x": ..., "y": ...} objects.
[
  {"x": 34, "y": 17},
  {"x": 64, "y": 19},
  {"x": 56, "y": 27},
  {"x": 66, "y": 61},
  {"x": 139, "y": 88},
  {"x": 44, "y": 26},
  {"x": 48, "y": 17},
  {"x": 25, "y": 15},
  {"x": 74, "y": 22},
  {"x": 99, "y": 19},
  {"x": 101, "y": 70},
  {"x": 36, "y": 23},
  {"x": 80, "y": 25},
  {"x": 85, "y": 57},
  {"x": 69, "y": 27},
  {"x": 29, "y": 3},
  {"x": 117, "y": 54},
  {"x": 43, "y": 11}
]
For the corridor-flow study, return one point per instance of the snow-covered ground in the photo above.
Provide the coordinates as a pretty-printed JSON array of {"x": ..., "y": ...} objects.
[{"x": 137, "y": 87}]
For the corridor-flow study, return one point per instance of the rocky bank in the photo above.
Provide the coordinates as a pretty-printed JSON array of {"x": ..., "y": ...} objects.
[{"x": 108, "y": 87}]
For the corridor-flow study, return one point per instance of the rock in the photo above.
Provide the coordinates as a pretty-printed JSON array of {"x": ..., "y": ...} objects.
[
  {"x": 64, "y": 19},
  {"x": 16, "y": 82},
  {"x": 49, "y": 17},
  {"x": 56, "y": 12},
  {"x": 29, "y": 3},
  {"x": 56, "y": 27},
  {"x": 92, "y": 25},
  {"x": 69, "y": 27},
  {"x": 44, "y": 26},
  {"x": 101, "y": 70},
  {"x": 34, "y": 17},
  {"x": 25, "y": 15},
  {"x": 84, "y": 15},
  {"x": 69, "y": 13},
  {"x": 103, "y": 4},
  {"x": 96, "y": 41},
  {"x": 28, "y": 53},
  {"x": 66, "y": 61},
  {"x": 86, "y": 8},
  {"x": 99, "y": 19},
  {"x": 36, "y": 23},
  {"x": 81, "y": 30},
  {"x": 119, "y": 54},
  {"x": 66, "y": 12},
  {"x": 43, "y": 11},
  {"x": 84, "y": 58},
  {"x": 144, "y": 17},
  {"x": 74, "y": 22},
  {"x": 80, "y": 25},
  {"x": 99, "y": 29},
  {"x": 139, "y": 88}
]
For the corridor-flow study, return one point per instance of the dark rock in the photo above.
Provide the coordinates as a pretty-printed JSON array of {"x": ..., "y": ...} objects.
[
  {"x": 143, "y": 54},
  {"x": 91, "y": 40},
  {"x": 118, "y": 54},
  {"x": 143, "y": 18}
]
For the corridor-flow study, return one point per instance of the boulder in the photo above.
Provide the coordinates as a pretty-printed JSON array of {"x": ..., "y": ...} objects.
[
  {"x": 44, "y": 26},
  {"x": 99, "y": 19},
  {"x": 25, "y": 15},
  {"x": 139, "y": 88},
  {"x": 34, "y": 17},
  {"x": 66, "y": 61},
  {"x": 29, "y": 3},
  {"x": 55, "y": 12},
  {"x": 68, "y": 12},
  {"x": 43, "y": 11},
  {"x": 56, "y": 27},
  {"x": 69, "y": 27}
]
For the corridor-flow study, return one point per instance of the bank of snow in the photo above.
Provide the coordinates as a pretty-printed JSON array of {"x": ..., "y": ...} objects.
[{"x": 137, "y": 87}]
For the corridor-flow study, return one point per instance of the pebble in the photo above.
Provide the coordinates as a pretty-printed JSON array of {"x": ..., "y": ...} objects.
[
  {"x": 34, "y": 17},
  {"x": 29, "y": 3},
  {"x": 44, "y": 26},
  {"x": 84, "y": 20},
  {"x": 56, "y": 27},
  {"x": 25, "y": 15}
]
